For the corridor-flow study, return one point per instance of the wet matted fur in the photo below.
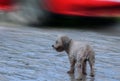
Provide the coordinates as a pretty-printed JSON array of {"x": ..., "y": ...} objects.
[{"x": 78, "y": 53}]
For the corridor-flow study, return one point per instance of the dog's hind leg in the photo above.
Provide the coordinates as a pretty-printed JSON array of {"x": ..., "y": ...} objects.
[
  {"x": 91, "y": 61},
  {"x": 79, "y": 70},
  {"x": 84, "y": 67}
]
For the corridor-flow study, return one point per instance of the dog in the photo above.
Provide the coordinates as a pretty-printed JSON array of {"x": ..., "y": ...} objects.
[{"x": 78, "y": 53}]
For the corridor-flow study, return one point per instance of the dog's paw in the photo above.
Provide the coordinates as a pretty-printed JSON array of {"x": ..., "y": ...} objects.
[
  {"x": 92, "y": 74},
  {"x": 79, "y": 78},
  {"x": 70, "y": 72},
  {"x": 84, "y": 73}
]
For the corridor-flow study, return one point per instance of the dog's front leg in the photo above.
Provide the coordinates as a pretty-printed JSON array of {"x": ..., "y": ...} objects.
[{"x": 72, "y": 66}]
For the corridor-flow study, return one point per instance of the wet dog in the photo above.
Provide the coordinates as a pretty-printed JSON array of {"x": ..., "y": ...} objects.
[{"x": 78, "y": 53}]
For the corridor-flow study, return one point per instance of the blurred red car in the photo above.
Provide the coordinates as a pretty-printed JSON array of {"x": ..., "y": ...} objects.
[
  {"x": 91, "y": 8},
  {"x": 8, "y": 5}
]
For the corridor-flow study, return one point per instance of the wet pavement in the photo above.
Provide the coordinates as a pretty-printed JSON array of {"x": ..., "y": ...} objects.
[{"x": 26, "y": 54}]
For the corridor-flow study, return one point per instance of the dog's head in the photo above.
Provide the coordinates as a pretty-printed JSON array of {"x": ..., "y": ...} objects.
[{"x": 61, "y": 43}]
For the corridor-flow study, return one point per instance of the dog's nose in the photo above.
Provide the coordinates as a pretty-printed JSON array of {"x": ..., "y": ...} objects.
[{"x": 52, "y": 45}]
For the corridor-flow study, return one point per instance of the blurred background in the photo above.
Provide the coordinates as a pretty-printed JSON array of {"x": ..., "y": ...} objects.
[
  {"x": 19, "y": 11},
  {"x": 38, "y": 12}
]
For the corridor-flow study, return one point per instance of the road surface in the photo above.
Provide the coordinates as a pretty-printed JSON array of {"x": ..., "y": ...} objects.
[{"x": 26, "y": 54}]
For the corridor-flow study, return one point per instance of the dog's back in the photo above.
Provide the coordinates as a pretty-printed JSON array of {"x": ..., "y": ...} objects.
[{"x": 81, "y": 50}]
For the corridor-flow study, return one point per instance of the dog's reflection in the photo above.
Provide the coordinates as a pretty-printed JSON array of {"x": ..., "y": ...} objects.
[{"x": 72, "y": 78}]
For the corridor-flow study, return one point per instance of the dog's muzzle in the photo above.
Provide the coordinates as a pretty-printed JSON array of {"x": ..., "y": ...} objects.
[
  {"x": 59, "y": 49},
  {"x": 53, "y": 46}
]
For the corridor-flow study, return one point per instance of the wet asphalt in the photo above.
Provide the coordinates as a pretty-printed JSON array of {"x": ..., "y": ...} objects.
[{"x": 26, "y": 53}]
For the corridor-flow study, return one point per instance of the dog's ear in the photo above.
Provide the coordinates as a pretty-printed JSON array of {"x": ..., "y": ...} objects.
[{"x": 65, "y": 40}]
